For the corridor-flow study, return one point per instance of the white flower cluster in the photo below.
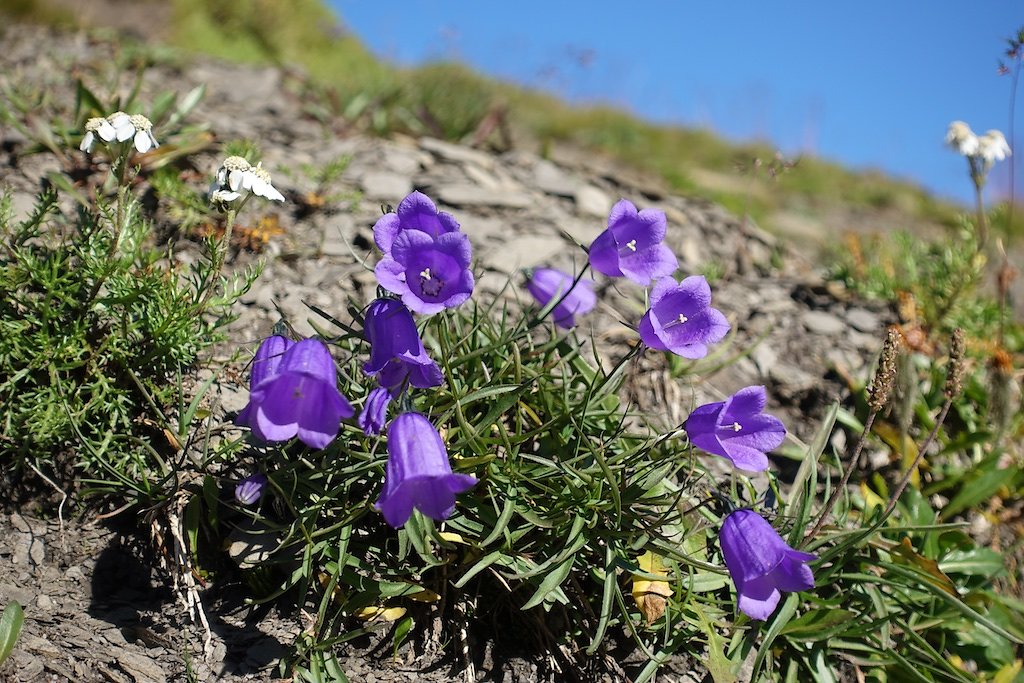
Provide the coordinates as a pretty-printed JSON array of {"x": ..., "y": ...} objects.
[
  {"x": 236, "y": 175},
  {"x": 988, "y": 148},
  {"x": 120, "y": 127}
]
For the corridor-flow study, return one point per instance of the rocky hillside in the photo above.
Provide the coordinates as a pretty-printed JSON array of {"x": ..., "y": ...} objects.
[{"x": 793, "y": 332}]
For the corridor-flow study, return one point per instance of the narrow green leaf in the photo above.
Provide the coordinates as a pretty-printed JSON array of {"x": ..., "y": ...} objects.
[
  {"x": 550, "y": 585},
  {"x": 10, "y": 628}
]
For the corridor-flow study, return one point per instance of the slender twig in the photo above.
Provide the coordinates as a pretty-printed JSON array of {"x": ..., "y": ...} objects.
[{"x": 63, "y": 497}]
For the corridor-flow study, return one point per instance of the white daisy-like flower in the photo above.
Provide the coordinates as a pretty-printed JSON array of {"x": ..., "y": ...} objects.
[
  {"x": 962, "y": 139},
  {"x": 96, "y": 127},
  {"x": 257, "y": 179},
  {"x": 232, "y": 173},
  {"x": 143, "y": 138},
  {"x": 992, "y": 147}
]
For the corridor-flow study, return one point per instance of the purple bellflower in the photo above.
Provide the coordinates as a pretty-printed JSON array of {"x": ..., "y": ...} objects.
[
  {"x": 547, "y": 284},
  {"x": 632, "y": 246},
  {"x": 375, "y": 412},
  {"x": 429, "y": 274},
  {"x": 396, "y": 352},
  {"x": 298, "y": 397},
  {"x": 681, "y": 319},
  {"x": 761, "y": 563},
  {"x": 737, "y": 429},
  {"x": 249, "y": 490},
  {"x": 415, "y": 212},
  {"x": 418, "y": 474}
]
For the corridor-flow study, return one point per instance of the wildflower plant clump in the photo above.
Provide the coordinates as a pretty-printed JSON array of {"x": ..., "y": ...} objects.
[
  {"x": 100, "y": 326},
  {"x": 490, "y": 458}
]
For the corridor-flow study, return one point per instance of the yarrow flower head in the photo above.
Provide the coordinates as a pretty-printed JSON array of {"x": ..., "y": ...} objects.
[
  {"x": 235, "y": 176},
  {"x": 249, "y": 490},
  {"x": 681, "y": 319},
  {"x": 632, "y": 246},
  {"x": 418, "y": 474},
  {"x": 761, "y": 563},
  {"x": 547, "y": 284},
  {"x": 962, "y": 139},
  {"x": 120, "y": 127},
  {"x": 430, "y": 274},
  {"x": 415, "y": 212},
  {"x": 737, "y": 429},
  {"x": 992, "y": 147},
  {"x": 375, "y": 412},
  {"x": 294, "y": 393},
  {"x": 231, "y": 173},
  {"x": 396, "y": 351},
  {"x": 97, "y": 127}
]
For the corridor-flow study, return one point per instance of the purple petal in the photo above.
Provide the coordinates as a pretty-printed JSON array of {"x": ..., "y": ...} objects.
[
  {"x": 746, "y": 401},
  {"x": 418, "y": 474},
  {"x": 268, "y": 359},
  {"x": 375, "y": 410},
  {"x": 418, "y": 212},
  {"x": 645, "y": 265},
  {"x": 703, "y": 419},
  {"x": 310, "y": 357},
  {"x": 743, "y": 457},
  {"x": 604, "y": 255},
  {"x": 758, "y": 599},
  {"x": 546, "y": 284},
  {"x": 662, "y": 288},
  {"x": 750, "y": 546},
  {"x": 622, "y": 211},
  {"x": 249, "y": 490},
  {"x": 437, "y": 274},
  {"x": 425, "y": 375},
  {"x": 644, "y": 229},
  {"x": 793, "y": 575},
  {"x": 649, "y": 335},
  {"x": 391, "y": 276},
  {"x": 385, "y": 230},
  {"x": 761, "y": 563},
  {"x": 321, "y": 415}
]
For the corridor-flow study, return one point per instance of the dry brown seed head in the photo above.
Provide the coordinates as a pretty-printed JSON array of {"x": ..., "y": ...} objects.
[{"x": 881, "y": 383}]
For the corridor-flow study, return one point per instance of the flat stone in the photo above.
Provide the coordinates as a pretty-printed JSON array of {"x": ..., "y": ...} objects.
[
  {"x": 385, "y": 186},
  {"x": 863, "y": 320},
  {"x": 250, "y": 545},
  {"x": 337, "y": 234},
  {"x": 553, "y": 180},
  {"x": 473, "y": 195},
  {"x": 764, "y": 357},
  {"x": 591, "y": 201},
  {"x": 524, "y": 252},
  {"x": 143, "y": 669},
  {"x": 447, "y": 150},
  {"x": 407, "y": 162},
  {"x": 820, "y": 322}
]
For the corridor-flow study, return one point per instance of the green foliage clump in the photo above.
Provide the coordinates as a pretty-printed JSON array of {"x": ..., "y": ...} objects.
[{"x": 96, "y": 322}]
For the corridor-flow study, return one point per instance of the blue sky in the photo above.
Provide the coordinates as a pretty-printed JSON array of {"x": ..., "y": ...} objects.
[{"x": 871, "y": 84}]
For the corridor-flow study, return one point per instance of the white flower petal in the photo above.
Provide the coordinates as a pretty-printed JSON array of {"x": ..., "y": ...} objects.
[
  {"x": 124, "y": 131},
  {"x": 236, "y": 180},
  {"x": 142, "y": 142},
  {"x": 106, "y": 131},
  {"x": 87, "y": 142}
]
